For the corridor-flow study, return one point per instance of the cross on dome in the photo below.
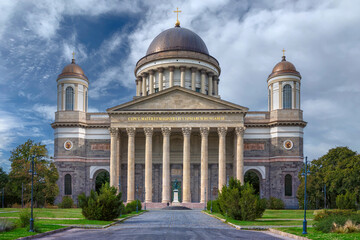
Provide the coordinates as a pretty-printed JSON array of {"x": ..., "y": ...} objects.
[{"x": 177, "y": 24}]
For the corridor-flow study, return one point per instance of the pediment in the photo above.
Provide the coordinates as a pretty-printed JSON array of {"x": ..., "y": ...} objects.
[{"x": 177, "y": 99}]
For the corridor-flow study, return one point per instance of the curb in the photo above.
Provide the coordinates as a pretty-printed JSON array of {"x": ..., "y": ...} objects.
[
  {"x": 81, "y": 227},
  {"x": 285, "y": 234}
]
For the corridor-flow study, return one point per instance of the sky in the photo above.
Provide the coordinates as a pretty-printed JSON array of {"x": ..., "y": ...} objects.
[{"x": 321, "y": 38}]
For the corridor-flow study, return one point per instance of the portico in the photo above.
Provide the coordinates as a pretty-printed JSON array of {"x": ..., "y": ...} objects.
[{"x": 139, "y": 120}]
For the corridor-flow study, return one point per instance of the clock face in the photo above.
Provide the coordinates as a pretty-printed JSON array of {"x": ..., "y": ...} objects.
[
  {"x": 68, "y": 145},
  {"x": 288, "y": 144}
]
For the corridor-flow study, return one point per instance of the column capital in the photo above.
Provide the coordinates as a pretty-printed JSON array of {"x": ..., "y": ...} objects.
[
  {"x": 194, "y": 69},
  {"x": 160, "y": 69},
  {"x": 222, "y": 131},
  {"x": 210, "y": 74},
  {"x": 186, "y": 131},
  {"x": 240, "y": 131},
  {"x": 113, "y": 131},
  {"x": 182, "y": 68},
  {"x": 204, "y": 131},
  {"x": 131, "y": 131},
  {"x": 144, "y": 74},
  {"x": 151, "y": 72},
  {"x": 203, "y": 71},
  {"x": 148, "y": 131},
  {"x": 171, "y": 68},
  {"x": 216, "y": 77},
  {"x": 166, "y": 131}
]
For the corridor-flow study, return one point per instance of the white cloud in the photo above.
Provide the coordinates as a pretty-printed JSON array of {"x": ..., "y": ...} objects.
[{"x": 44, "y": 111}]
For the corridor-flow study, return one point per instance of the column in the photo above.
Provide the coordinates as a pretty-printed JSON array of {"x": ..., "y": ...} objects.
[
  {"x": 62, "y": 97},
  {"x": 240, "y": 153},
  {"x": 222, "y": 156},
  {"x": 182, "y": 76},
  {"x": 76, "y": 104},
  {"x": 280, "y": 96},
  {"x": 118, "y": 159},
  {"x": 186, "y": 165},
  {"x": 210, "y": 83},
  {"x": 171, "y": 76},
  {"x": 294, "y": 95},
  {"x": 113, "y": 155},
  {"x": 131, "y": 164},
  {"x": 161, "y": 78},
  {"x": 148, "y": 164},
  {"x": 204, "y": 131},
  {"x": 137, "y": 87},
  {"x": 193, "y": 78},
  {"x": 234, "y": 153},
  {"x": 217, "y": 86},
  {"x": 144, "y": 84},
  {"x": 203, "y": 72},
  {"x": 85, "y": 100},
  {"x": 151, "y": 82},
  {"x": 166, "y": 165}
]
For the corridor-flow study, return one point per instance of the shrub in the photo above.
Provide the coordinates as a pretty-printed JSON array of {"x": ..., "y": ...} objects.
[
  {"x": 215, "y": 206},
  {"x": 346, "y": 201},
  {"x": 66, "y": 202},
  {"x": 24, "y": 217},
  {"x": 331, "y": 222},
  {"x": 6, "y": 225},
  {"x": 275, "y": 203},
  {"x": 103, "y": 206},
  {"x": 131, "y": 206},
  {"x": 240, "y": 201},
  {"x": 320, "y": 214},
  {"x": 349, "y": 227}
]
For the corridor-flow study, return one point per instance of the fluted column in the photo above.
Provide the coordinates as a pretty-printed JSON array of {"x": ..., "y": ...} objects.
[
  {"x": 280, "y": 95},
  {"x": 240, "y": 153},
  {"x": 294, "y": 95},
  {"x": 151, "y": 82},
  {"x": 193, "y": 78},
  {"x": 62, "y": 97},
  {"x": 171, "y": 76},
  {"x": 222, "y": 156},
  {"x": 140, "y": 86},
  {"x": 137, "y": 87},
  {"x": 182, "y": 76},
  {"x": 215, "y": 85},
  {"x": 166, "y": 165},
  {"x": 210, "y": 83},
  {"x": 234, "y": 153},
  {"x": 131, "y": 164},
  {"x": 148, "y": 164},
  {"x": 76, "y": 96},
  {"x": 113, "y": 155},
  {"x": 118, "y": 159},
  {"x": 186, "y": 165},
  {"x": 204, "y": 131},
  {"x": 144, "y": 84},
  {"x": 161, "y": 78},
  {"x": 203, "y": 79}
]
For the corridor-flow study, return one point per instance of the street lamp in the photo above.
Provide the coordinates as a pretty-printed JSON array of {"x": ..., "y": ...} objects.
[
  {"x": 211, "y": 190},
  {"x": 305, "y": 173},
  {"x": 32, "y": 171},
  {"x": 205, "y": 200},
  {"x": 120, "y": 191},
  {"x": 325, "y": 196},
  {"x": 3, "y": 198},
  {"x": 137, "y": 189}
]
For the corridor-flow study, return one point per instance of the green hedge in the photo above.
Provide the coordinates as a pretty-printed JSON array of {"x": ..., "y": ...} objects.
[
  {"x": 275, "y": 203},
  {"x": 131, "y": 206},
  {"x": 215, "y": 206},
  {"x": 66, "y": 202}
]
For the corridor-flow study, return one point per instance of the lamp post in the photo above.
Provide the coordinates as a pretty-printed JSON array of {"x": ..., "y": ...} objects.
[
  {"x": 205, "y": 200},
  {"x": 137, "y": 208},
  {"x": 305, "y": 173},
  {"x": 325, "y": 196},
  {"x": 211, "y": 190},
  {"x": 120, "y": 191},
  {"x": 3, "y": 198},
  {"x": 22, "y": 195},
  {"x": 32, "y": 171}
]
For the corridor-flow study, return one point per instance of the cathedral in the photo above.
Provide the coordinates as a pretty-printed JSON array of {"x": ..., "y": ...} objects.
[{"x": 178, "y": 130}]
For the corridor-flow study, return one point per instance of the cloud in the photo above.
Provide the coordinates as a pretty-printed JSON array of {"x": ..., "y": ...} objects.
[{"x": 46, "y": 112}]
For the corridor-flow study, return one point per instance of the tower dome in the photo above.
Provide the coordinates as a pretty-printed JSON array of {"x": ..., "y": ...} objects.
[
  {"x": 73, "y": 70},
  {"x": 284, "y": 68},
  {"x": 177, "y": 38}
]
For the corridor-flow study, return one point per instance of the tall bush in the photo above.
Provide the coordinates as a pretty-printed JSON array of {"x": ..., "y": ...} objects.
[
  {"x": 66, "y": 202},
  {"x": 346, "y": 201},
  {"x": 275, "y": 203},
  {"x": 240, "y": 201},
  {"x": 215, "y": 206},
  {"x": 131, "y": 206},
  {"x": 103, "y": 206}
]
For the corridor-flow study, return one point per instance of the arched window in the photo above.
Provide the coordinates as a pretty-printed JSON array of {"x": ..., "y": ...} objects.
[
  {"x": 68, "y": 187},
  {"x": 287, "y": 97},
  {"x": 288, "y": 185},
  {"x": 86, "y": 101},
  {"x": 69, "y": 99}
]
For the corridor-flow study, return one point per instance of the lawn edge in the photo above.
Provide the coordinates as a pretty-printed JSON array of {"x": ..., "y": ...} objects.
[
  {"x": 71, "y": 227},
  {"x": 285, "y": 234}
]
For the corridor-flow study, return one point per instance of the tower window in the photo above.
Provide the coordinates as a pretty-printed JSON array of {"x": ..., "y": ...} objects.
[
  {"x": 69, "y": 99},
  {"x": 68, "y": 190},
  {"x": 288, "y": 185},
  {"x": 287, "y": 97}
]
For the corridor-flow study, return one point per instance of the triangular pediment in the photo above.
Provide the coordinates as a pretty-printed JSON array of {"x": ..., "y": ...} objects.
[{"x": 177, "y": 99}]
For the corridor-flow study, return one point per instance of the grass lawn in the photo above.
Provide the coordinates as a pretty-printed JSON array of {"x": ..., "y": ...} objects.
[
  {"x": 287, "y": 214},
  {"x": 45, "y": 225},
  {"x": 264, "y": 222},
  {"x": 313, "y": 234}
]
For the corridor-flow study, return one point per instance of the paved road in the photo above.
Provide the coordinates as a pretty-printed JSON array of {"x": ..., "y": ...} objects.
[{"x": 166, "y": 224}]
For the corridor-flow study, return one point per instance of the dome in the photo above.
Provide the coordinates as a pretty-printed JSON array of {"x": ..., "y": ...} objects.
[
  {"x": 73, "y": 70},
  {"x": 284, "y": 68},
  {"x": 177, "y": 38}
]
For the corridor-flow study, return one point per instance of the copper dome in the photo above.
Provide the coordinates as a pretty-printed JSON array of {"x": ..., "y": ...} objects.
[
  {"x": 73, "y": 70},
  {"x": 177, "y": 38},
  {"x": 284, "y": 68}
]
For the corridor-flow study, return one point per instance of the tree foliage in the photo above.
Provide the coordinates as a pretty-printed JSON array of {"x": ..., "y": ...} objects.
[
  {"x": 339, "y": 169},
  {"x": 45, "y": 187},
  {"x": 3, "y": 178}
]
